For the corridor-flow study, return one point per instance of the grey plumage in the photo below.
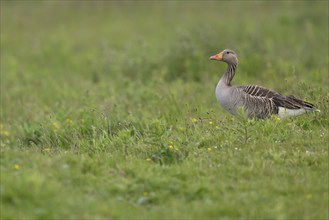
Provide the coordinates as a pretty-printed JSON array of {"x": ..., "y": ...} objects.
[{"x": 258, "y": 102}]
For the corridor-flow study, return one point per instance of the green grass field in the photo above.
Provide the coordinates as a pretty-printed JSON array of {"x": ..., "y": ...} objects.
[{"x": 108, "y": 110}]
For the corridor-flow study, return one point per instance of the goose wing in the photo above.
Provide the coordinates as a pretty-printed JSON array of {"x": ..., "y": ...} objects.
[
  {"x": 289, "y": 102},
  {"x": 258, "y": 91}
]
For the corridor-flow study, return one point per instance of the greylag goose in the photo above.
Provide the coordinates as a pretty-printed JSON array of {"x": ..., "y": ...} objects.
[{"x": 257, "y": 102}]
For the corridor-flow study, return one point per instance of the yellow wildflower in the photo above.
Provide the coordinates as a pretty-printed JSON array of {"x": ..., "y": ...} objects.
[
  {"x": 148, "y": 159},
  {"x": 328, "y": 94},
  {"x": 145, "y": 193},
  {"x": 209, "y": 149},
  {"x": 56, "y": 126},
  {"x": 47, "y": 149},
  {"x": 210, "y": 122},
  {"x": 217, "y": 127},
  {"x": 16, "y": 166},
  {"x": 6, "y": 133},
  {"x": 171, "y": 147},
  {"x": 194, "y": 120},
  {"x": 278, "y": 119},
  {"x": 69, "y": 121}
]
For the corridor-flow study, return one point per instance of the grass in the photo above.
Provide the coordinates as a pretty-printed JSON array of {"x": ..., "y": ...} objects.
[{"x": 108, "y": 110}]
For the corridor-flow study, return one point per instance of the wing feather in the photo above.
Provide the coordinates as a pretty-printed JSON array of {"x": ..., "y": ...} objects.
[{"x": 289, "y": 102}]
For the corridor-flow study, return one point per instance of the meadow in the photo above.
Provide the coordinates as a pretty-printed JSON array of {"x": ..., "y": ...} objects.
[{"x": 108, "y": 110}]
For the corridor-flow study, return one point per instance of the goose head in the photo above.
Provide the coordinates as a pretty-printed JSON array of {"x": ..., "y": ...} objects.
[{"x": 227, "y": 55}]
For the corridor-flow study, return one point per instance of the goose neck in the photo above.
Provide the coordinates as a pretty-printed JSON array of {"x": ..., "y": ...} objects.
[{"x": 229, "y": 73}]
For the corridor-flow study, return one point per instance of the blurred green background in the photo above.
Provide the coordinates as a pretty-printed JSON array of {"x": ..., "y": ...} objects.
[
  {"x": 63, "y": 49},
  {"x": 94, "y": 93}
]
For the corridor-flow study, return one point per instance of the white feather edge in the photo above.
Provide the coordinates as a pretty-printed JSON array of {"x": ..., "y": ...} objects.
[{"x": 284, "y": 112}]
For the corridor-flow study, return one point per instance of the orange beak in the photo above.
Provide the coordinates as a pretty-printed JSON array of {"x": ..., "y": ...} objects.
[{"x": 217, "y": 57}]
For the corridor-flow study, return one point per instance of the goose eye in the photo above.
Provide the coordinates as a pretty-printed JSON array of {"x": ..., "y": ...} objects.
[{"x": 227, "y": 52}]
